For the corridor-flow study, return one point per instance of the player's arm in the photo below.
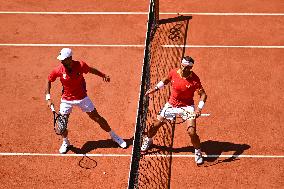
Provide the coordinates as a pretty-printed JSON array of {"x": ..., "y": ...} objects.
[
  {"x": 98, "y": 73},
  {"x": 203, "y": 97},
  {"x": 159, "y": 85},
  {"x": 47, "y": 93}
]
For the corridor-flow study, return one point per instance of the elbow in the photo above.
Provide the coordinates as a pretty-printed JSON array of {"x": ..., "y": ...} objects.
[{"x": 204, "y": 97}]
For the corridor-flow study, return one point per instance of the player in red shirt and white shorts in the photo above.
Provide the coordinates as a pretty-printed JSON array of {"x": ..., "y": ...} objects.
[
  {"x": 184, "y": 83},
  {"x": 74, "y": 93}
]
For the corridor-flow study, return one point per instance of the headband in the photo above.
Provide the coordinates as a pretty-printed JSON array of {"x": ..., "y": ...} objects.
[{"x": 186, "y": 62}]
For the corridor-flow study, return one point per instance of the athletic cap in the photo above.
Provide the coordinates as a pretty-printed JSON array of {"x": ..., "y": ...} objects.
[
  {"x": 187, "y": 61},
  {"x": 64, "y": 53}
]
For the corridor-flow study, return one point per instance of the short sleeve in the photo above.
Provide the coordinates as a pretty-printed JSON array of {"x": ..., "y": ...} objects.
[
  {"x": 53, "y": 75},
  {"x": 198, "y": 85},
  {"x": 85, "y": 67},
  {"x": 170, "y": 76}
]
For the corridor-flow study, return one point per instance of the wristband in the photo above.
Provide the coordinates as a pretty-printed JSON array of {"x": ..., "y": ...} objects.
[
  {"x": 201, "y": 104},
  {"x": 160, "y": 85},
  {"x": 47, "y": 97}
]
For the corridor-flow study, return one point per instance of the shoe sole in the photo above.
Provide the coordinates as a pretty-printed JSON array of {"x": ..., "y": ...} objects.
[{"x": 199, "y": 163}]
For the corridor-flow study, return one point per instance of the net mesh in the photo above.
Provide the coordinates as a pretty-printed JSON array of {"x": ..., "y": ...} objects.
[{"x": 164, "y": 50}]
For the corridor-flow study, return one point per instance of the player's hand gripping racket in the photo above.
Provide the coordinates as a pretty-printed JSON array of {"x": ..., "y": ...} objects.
[
  {"x": 180, "y": 115},
  {"x": 59, "y": 121}
]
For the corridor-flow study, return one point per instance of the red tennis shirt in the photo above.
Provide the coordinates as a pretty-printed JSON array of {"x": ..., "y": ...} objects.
[
  {"x": 182, "y": 89},
  {"x": 73, "y": 83}
]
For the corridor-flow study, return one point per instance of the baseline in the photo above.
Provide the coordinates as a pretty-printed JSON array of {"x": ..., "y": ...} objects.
[{"x": 146, "y": 13}]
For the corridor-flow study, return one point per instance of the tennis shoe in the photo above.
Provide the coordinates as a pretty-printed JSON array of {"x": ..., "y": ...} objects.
[
  {"x": 147, "y": 142},
  {"x": 64, "y": 147},
  {"x": 119, "y": 141},
  {"x": 198, "y": 157}
]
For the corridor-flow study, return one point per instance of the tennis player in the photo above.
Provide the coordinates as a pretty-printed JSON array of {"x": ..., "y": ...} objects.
[
  {"x": 184, "y": 83},
  {"x": 74, "y": 93}
]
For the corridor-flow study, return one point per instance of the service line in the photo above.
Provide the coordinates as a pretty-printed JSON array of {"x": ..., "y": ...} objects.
[
  {"x": 142, "y": 46},
  {"x": 149, "y": 155}
]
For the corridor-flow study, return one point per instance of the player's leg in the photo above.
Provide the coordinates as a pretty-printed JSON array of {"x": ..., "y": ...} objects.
[
  {"x": 65, "y": 109},
  {"x": 155, "y": 127},
  {"x": 148, "y": 138},
  {"x": 195, "y": 140},
  {"x": 94, "y": 115},
  {"x": 191, "y": 130},
  {"x": 87, "y": 106}
]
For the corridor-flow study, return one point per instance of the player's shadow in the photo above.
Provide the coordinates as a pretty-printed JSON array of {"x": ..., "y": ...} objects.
[
  {"x": 92, "y": 145},
  {"x": 213, "y": 149},
  {"x": 217, "y": 148}
]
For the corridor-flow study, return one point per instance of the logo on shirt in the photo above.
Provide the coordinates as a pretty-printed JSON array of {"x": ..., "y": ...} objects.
[
  {"x": 64, "y": 76},
  {"x": 188, "y": 86}
]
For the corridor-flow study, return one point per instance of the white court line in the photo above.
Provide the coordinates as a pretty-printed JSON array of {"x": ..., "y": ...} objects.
[
  {"x": 142, "y": 46},
  {"x": 145, "y": 13},
  {"x": 76, "y": 13},
  {"x": 69, "y": 45},
  {"x": 227, "y": 46},
  {"x": 69, "y": 155},
  {"x": 129, "y": 155},
  {"x": 224, "y": 14}
]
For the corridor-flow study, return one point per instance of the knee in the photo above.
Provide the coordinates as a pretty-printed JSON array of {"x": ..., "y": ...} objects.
[
  {"x": 160, "y": 119},
  {"x": 191, "y": 131}
]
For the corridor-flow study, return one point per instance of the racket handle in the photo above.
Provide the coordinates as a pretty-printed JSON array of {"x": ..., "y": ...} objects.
[{"x": 52, "y": 108}]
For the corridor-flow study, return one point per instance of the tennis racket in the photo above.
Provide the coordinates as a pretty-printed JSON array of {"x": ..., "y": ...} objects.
[
  {"x": 59, "y": 121},
  {"x": 180, "y": 115}
]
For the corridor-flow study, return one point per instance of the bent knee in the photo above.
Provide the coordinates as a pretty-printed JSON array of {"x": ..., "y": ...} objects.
[
  {"x": 160, "y": 118},
  {"x": 191, "y": 131}
]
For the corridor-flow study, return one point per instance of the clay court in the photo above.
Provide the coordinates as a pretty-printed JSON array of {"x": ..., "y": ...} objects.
[{"x": 238, "y": 49}]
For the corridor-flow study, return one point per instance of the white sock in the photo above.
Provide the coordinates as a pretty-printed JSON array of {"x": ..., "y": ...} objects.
[
  {"x": 111, "y": 133},
  {"x": 197, "y": 151},
  {"x": 65, "y": 140}
]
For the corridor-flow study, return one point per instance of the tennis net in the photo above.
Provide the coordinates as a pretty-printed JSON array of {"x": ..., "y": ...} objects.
[{"x": 164, "y": 49}]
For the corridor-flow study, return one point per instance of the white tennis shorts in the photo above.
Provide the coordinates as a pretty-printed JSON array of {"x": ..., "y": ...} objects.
[
  {"x": 85, "y": 104},
  {"x": 169, "y": 112}
]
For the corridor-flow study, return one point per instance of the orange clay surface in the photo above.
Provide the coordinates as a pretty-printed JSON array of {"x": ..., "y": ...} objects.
[{"x": 244, "y": 87}]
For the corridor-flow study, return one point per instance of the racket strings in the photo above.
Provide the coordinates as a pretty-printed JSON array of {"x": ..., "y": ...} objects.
[{"x": 61, "y": 123}]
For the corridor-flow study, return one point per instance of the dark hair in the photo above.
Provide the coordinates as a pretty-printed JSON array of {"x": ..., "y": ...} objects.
[{"x": 189, "y": 59}]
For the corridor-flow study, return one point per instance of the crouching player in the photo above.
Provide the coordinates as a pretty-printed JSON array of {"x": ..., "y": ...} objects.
[{"x": 184, "y": 83}]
